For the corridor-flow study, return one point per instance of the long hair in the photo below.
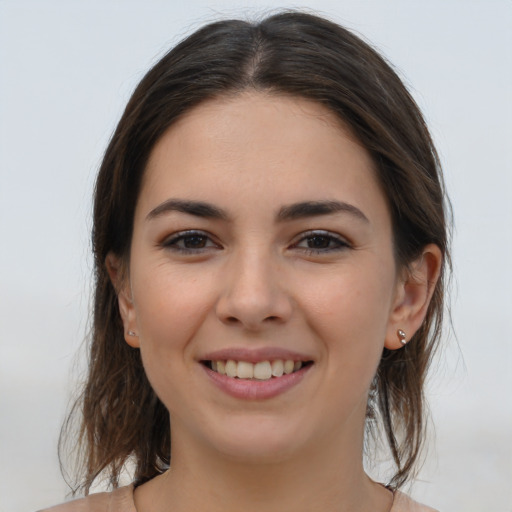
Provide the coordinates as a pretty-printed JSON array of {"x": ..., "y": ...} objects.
[{"x": 294, "y": 54}]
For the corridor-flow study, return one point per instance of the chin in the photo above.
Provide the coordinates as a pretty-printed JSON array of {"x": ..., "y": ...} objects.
[
  {"x": 260, "y": 441},
  {"x": 263, "y": 453}
]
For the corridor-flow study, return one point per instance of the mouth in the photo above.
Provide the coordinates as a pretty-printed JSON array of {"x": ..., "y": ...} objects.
[{"x": 260, "y": 371}]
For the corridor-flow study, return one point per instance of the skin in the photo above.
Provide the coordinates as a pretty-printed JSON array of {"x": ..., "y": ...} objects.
[{"x": 252, "y": 280}]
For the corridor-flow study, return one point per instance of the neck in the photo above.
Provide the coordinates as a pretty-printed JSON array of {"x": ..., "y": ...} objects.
[{"x": 326, "y": 477}]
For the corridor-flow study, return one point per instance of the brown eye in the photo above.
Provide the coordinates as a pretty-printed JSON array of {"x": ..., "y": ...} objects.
[
  {"x": 195, "y": 241},
  {"x": 321, "y": 242},
  {"x": 190, "y": 241}
]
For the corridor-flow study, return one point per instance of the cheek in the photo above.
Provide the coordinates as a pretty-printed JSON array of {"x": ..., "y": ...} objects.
[
  {"x": 349, "y": 314},
  {"x": 354, "y": 300},
  {"x": 169, "y": 301},
  {"x": 170, "y": 309}
]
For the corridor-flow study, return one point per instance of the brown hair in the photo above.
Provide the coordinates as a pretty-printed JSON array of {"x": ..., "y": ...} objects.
[{"x": 288, "y": 53}]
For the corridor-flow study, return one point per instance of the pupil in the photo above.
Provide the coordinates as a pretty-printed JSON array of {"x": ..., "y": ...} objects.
[
  {"x": 318, "y": 242},
  {"x": 195, "y": 242}
]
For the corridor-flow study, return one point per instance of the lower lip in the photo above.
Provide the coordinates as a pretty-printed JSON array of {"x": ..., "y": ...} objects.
[{"x": 253, "y": 389}]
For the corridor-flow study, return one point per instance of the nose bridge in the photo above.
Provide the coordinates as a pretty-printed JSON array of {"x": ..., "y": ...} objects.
[{"x": 253, "y": 293}]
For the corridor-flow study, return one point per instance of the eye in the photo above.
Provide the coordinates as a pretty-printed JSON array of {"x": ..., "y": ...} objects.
[
  {"x": 190, "y": 242},
  {"x": 319, "y": 241}
]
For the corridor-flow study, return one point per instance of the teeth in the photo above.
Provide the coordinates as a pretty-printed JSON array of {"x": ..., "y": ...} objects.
[
  {"x": 277, "y": 368},
  {"x": 231, "y": 368},
  {"x": 245, "y": 370},
  {"x": 288, "y": 366},
  {"x": 221, "y": 367},
  {"x": 264, "y": 370}
]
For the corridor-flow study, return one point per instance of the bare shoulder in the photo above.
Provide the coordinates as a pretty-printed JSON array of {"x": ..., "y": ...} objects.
[
  {"x": 404, "y": 503},
  {"x": 120, "y": 500},
  {"x": 93, "y": 503}
]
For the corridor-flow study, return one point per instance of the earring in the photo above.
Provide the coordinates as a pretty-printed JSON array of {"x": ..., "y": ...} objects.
[
  {"x": 132, "y": 333},
  {"x": 401, "y": 336}
]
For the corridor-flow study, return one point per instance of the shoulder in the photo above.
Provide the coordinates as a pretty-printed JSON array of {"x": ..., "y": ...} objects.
[
  {"x": 404, "y": 503},
  {"x": 120, "y": 500}
]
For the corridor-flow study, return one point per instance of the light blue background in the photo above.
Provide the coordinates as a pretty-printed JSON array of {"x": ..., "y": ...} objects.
[{"x": 67, "y": 69}]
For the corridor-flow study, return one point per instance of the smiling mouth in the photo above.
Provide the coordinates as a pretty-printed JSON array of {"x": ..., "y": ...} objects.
[{"x": 263, "y": 370}]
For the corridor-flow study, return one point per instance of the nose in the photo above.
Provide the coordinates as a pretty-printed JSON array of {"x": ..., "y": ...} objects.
[{"x": 254, "y": 295}]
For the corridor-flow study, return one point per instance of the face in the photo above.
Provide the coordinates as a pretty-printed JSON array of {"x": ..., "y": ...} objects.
[{"x": 262, "y": 247}]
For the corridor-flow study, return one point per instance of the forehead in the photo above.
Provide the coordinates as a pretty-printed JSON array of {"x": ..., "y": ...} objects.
[{"x": 251, "y": 144}]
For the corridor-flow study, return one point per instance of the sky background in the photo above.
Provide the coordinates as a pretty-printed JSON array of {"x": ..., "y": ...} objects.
[{"x": 67, "y": 69}]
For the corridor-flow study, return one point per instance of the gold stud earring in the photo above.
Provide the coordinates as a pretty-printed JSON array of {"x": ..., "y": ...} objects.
[{"x": 401, "y": 336}]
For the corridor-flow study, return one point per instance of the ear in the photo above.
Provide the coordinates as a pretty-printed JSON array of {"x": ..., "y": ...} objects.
[
  {"x": 412, "y": 297},
  {"x": 124, "y": 298}
]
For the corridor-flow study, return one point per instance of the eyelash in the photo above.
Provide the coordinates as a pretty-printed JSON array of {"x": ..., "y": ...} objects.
[
  {"x": 173, "y": 242},
  {"x": 340, "y": 243},
  {"x": 184, "y": 236}
]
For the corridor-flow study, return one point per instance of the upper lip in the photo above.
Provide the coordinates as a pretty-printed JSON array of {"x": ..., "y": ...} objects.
[{"x": 255, "y": 355}]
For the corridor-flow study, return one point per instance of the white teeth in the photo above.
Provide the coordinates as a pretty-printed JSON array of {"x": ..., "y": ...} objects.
[
  {"x": 277, "y": 368},
  {"x": 263, "y": 370},
  {"x": 245, "y": 370},
  {"x": 231, "y": 368},
  {"x": 288, "y": 366},
  {"x": 221, "y": 367}
]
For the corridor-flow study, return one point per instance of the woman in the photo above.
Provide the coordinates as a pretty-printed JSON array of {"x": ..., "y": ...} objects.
[{"x": 270, "y": 244}]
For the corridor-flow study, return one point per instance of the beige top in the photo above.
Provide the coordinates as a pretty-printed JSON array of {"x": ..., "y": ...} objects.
[{"x": 121, "y": 500}]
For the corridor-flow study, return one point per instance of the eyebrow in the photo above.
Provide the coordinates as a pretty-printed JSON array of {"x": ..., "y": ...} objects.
[
  {"x": 314, "y": 208},
  {"x": 197, "y": 208},
  {"x": 286, "y": 213}
]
